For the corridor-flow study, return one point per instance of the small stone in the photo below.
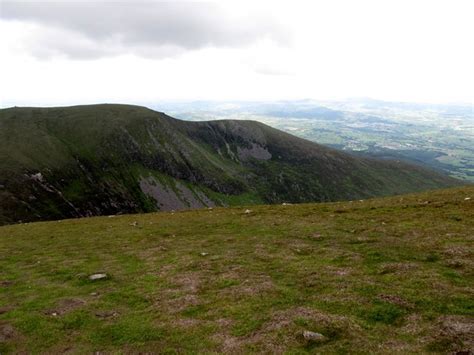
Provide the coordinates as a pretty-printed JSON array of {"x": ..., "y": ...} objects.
[
  {"x": 313, "y": 336},
  {"x": 467, "y": 199},
  {"x": 54, "y": 314},
  {"x": 248, "y": 211},
  {"x": 204, "y": 254},
  {"x": 94, "y": 294},
  {"x": 99, "y": 276},
  {"x": 134, "y": 224},
  {"x": 106, "y": 314},
  {"x": 286, "y": 204}
]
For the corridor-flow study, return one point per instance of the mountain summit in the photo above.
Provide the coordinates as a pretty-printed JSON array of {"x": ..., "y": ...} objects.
[{"x": 107, "y": 159}]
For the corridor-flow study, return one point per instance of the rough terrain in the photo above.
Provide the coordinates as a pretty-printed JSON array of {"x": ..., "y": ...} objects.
[{"x": 390, "y": 275}]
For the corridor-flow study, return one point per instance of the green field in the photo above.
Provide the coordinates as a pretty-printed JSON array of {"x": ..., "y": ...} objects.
[{"x": 382, "y": 276}]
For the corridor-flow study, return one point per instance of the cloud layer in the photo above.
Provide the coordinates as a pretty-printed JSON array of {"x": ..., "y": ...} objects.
[{"x": 88, "y": 30}]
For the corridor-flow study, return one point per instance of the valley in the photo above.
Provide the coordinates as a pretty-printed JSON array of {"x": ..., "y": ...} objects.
[{"x": 436, "y": 136}]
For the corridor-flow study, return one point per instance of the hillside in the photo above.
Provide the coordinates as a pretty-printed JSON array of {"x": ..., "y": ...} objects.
[
  {"x": 108, "y": 159},
  {"x": 374, "y": 276}
]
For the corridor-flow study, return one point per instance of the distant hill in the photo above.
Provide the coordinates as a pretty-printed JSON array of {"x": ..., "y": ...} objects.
[{"x": 108, "y": 159}]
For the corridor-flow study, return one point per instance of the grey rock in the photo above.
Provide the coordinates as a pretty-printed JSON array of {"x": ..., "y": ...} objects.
[
  {"x": 99, "y": 276},
  {"x": 313, "y": 336}
]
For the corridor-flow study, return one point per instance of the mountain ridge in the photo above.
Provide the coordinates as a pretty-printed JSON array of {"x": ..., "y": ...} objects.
[{"x": 111, "y": 158}]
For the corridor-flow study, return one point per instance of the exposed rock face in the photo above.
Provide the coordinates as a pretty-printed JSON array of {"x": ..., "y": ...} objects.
[
  {"x": 255, "y": 151},
  {"x": 175, "y": 197}
]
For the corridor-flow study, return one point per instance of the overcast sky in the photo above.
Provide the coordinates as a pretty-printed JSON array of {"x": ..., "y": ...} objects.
[{"x": 57, "y": 53}]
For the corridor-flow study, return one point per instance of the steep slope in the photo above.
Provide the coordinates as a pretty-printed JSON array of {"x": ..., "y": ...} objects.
[
  {"x": 373, "y": 277},
  {"x": 107, "y": 159}
]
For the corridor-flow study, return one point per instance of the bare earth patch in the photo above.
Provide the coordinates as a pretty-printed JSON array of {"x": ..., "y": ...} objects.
[
  {"x": 396, "y": 300},
  {"x": 338, "y": 271},
  {"x": 5, "y": 309},
  {"x": 5, "y": 283},
  {"x": 7, "y": 333},
  {"x": 282, "y": 332},
  {"x": 398, "y": 268},
  {"x": 456, "y": 330},
  {"x": 65, "y": 306},
  {"x": 184, "y": 295},
  {"x": 394, "y": 346},
  {"x": 457, "y": 252},
  {"x": 188, "y": 282},
  {"x": 257, "y": 285}
]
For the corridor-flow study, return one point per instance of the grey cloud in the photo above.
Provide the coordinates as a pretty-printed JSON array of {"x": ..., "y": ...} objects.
[{"x": 94, "y": 29}]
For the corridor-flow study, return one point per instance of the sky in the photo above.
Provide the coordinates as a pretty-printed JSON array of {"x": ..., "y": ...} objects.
[{"x": 81, "y": 52}]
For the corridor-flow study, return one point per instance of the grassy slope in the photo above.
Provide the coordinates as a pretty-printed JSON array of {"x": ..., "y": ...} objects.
[
  {"x": 92, "y": 157},
  {"x": 382, "y": 275}
]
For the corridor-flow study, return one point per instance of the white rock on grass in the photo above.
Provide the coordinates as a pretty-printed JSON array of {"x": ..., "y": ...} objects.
[
  {"x": 313, "y": 336},
  {"x": 99, "y": 276},
  {"x": 248, "y": 211}
]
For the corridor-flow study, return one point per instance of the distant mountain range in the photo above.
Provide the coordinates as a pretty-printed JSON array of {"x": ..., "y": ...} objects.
[{"x": 108, "y": 159}]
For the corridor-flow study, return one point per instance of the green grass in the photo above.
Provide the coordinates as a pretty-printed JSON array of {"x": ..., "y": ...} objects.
[{"x": 384, "y": 275}]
